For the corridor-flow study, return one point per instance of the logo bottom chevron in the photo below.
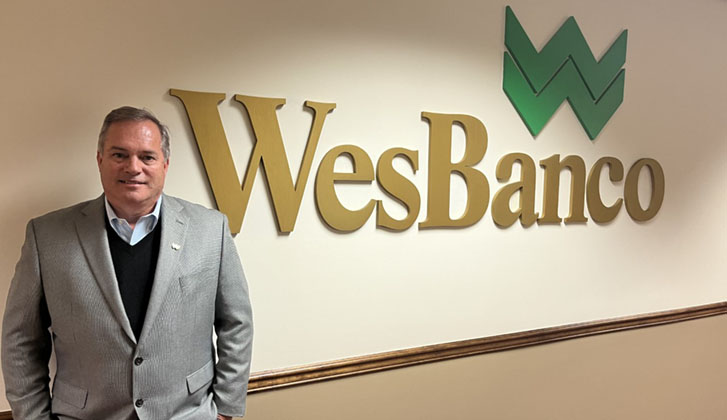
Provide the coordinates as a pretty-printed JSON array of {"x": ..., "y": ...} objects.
[{"x": 536, "y": 108}]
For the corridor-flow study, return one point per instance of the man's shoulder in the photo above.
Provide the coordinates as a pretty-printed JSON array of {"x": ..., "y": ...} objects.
[
  {"x": 196, "y": 212},
  {"x": 66, "y": 213}
]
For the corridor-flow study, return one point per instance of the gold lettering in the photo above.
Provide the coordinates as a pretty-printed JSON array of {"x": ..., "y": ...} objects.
[
  {"x": 398, "y": 187},
  {"x": 551, "y": 190},
  {"x": 332, "y": 211},
  {"x": 231, "y": 197},
  {"x": 213, "y": 147},
  {"x": 502, "y": 214},
  {"x": 600, "y": 213},
  {"x": 631, "y": 190},
  {"x": 441, "y": 167}
]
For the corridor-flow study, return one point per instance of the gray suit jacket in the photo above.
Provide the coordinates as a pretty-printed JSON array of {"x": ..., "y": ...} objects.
[{"x": 65, "y": 280}]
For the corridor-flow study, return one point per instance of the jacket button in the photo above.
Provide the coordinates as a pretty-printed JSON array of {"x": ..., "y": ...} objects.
[
  {"x": 138, "y": 361},
  {"x": 139, "y": 402}
]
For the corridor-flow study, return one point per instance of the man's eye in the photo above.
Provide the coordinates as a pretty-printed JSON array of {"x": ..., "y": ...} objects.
[
  {"x": 117, "y": 155},
  {"x": 148, "y": 158}
]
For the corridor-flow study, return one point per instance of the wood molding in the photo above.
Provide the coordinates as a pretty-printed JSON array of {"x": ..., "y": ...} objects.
[{"x": 278, "y": 378}]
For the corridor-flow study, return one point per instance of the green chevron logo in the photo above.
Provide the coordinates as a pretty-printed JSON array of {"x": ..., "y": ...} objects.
[{"x": 538, "y": 82}]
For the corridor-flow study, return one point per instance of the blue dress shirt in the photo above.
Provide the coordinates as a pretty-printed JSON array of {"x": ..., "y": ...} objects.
[{"x": 143, "y": 226}]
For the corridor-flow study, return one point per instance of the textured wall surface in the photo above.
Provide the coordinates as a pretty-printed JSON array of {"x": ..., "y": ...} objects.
[{"x": 320, "y": 295}]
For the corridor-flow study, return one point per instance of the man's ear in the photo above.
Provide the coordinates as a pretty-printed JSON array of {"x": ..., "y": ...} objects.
[{"x": 99, "y": 158}]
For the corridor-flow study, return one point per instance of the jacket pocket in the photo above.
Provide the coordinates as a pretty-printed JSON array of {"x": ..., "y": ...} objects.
[
  {"x": 201, "y": 377},
  {"x": 69, "y": 394}
]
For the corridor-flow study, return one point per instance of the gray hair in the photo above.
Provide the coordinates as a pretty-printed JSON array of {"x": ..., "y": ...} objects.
[{"x": 129, "y": 113}]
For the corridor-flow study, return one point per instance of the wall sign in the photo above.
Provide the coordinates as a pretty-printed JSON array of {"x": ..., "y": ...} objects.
[{"x": 536, "y": 83}]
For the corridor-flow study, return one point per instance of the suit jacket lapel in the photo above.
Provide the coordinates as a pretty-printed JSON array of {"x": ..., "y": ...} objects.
[
  {"x": 91, "y": 228},
  {"x": 174, "y": 228}
]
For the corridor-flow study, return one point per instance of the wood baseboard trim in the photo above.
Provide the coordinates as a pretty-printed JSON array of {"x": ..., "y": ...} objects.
[{"x": 278, "y": 378}]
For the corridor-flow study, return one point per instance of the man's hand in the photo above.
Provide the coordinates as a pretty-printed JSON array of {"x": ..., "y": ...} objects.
[{"x": 221, "y": 417}]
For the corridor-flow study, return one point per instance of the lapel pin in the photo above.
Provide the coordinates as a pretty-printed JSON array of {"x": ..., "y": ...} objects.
[{"x": 175, "y": 246}]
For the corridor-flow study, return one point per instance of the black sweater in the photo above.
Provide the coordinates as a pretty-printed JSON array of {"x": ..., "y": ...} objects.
[{"x": 135, "y": 267}]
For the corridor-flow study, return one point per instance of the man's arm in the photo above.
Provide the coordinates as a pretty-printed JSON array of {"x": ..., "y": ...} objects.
[
  {"x": 26, "y": 341},
  {"x": 233, "y": 325}
]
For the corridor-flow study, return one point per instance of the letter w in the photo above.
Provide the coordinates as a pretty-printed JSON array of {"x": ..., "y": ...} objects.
[{"x": 269, "y": 149}]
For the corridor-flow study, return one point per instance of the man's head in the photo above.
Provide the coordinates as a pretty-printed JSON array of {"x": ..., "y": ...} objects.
[
  {"x": 133, "y": 157},
  {"x": 129, "y": 113}
]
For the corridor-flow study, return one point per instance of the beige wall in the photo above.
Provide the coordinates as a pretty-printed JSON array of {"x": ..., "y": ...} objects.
[
  {"x": 320, "y": 295},
  {"x": 671, "y": 372}
]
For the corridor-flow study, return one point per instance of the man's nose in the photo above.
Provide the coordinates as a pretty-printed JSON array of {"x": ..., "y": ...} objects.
[{"x": 133, "y": 165}]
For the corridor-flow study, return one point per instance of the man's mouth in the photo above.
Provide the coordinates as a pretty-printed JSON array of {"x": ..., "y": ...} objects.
[{"x": 131, "y": 182}]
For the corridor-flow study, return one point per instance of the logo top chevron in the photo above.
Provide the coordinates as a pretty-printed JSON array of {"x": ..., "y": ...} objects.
[{"x": 538, "y": 82}]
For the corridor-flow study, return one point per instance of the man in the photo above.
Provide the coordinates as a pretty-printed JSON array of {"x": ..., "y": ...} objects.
[{"x": 127, "y": 290}]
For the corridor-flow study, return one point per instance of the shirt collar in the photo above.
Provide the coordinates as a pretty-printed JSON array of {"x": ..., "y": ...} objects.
[{"x": 111, "y": 214}]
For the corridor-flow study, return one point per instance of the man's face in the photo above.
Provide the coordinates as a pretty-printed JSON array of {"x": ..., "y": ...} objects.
[{"x": 132, "y": 167}]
